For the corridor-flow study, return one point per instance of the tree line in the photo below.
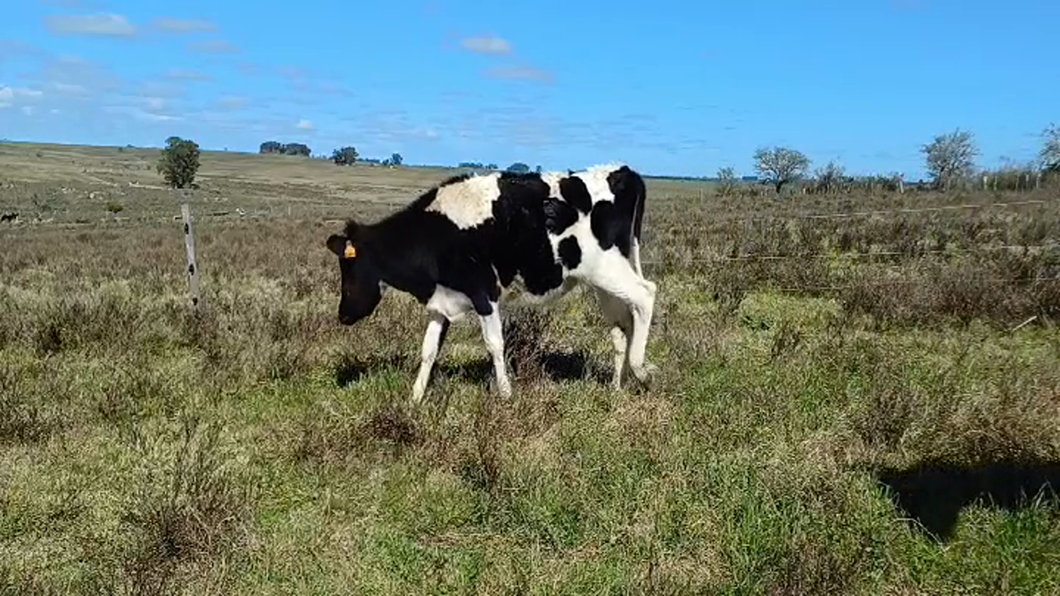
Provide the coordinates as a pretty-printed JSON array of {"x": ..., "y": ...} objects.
[{"x": 949, "y": 160}]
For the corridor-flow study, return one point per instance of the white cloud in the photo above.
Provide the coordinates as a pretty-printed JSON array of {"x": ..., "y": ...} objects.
[
  {"x": 232, "y": 102},
  {"x": 488, "y": 44},
  {"x": 10, "y": 49},
  {"x": 9, "y": 96},
  {"x": 149, "y": 116},
  {"x": 172, "y": 25},
  {"x": 214, "y": 46},
  {"x": 180, "y": 74},
  {"x": 161, "y": 89},
  {"x": 68, "y": 88},
  {"x": 521, "y": 73},
  {"x": 140, "y": 114},
  {"x": 247, "y": 67},
  {"x": 101, "y": 24},
  {"x": 304, "y": 125},
  {"x": 74, "y": 76}
]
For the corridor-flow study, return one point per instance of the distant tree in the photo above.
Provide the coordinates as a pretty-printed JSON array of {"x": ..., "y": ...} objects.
[
  {"x": 950, "y": 157},
  {"x": 519, "y": 167},
  {"x": 296, "y": 149},
  {"x": 344, "y": 156},
  {"x": 396, "y": 159},
  {"x": 179, "y": 162},
  {"x": 726, "y": 181},
  {"x": 491, "y": 166},
  {"x": 780, "y": 165},
  {"x": 1050, "y": 153},
  {"x": 829, "y": 177},
  {"x": 271, "y": 147},
  {"x": 537, "y": 168}
]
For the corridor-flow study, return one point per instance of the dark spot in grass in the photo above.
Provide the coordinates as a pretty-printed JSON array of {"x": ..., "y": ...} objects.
[
  {"x": 933, "y": 493},
  {"x": 351, "y": 370}
]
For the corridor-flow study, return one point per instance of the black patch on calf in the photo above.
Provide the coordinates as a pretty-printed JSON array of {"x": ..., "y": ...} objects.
[
  {"x": 630, "y": 192},
  {"x": 604, "y": 224},
  {"x": 558, "y": 216},
  {"x": 575, "y": 192},
  {"x": 524, "y": 216},
  {"x": 614, "y": 223},
  {"x": 570, "y": 254}
]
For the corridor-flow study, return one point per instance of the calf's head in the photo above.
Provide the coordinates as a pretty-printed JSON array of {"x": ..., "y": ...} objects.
[{"x": 361, "y": 292}]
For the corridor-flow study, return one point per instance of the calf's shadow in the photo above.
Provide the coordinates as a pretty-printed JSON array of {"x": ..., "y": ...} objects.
[
  {"x": 933, "y": 492},
  {"x": 556, "y": 366}
]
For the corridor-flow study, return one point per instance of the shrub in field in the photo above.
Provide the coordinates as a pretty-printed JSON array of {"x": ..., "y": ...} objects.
[
  {"x": 1050, "y": 151},
  {"x": 179, "y": 162},
  {"x": 950, "y": 157},
  {"x": 780, "y": 165},
  {"x": 726, "y": 181},
  {"x": 345, "y": 156}
]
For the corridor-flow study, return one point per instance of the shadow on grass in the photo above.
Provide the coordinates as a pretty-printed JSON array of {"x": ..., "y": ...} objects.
[
  {"x": 933, "y": 492},
  {"x": 348, "y": 371},
  {"x": 556, "y": 366}
]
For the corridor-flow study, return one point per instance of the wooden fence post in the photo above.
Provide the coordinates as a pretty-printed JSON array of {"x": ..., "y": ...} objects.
[{"x": 189, "y": 245}]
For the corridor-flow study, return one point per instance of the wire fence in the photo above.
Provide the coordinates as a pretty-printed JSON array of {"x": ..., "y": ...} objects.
[
  {"x": 903, "y": 282},
  {"x": 853, "y": 255},
  {"x": 286, "y": 212},
  {"x": 835, "y": 215}
]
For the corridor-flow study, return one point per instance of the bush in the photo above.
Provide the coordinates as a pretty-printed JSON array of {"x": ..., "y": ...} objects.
[
  {"x": 345, "y": 156},
  {"x": 179, "y": 162}
]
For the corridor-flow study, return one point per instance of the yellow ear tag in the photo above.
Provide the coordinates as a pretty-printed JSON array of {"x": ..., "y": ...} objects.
[{"x": 351, "y": 252}]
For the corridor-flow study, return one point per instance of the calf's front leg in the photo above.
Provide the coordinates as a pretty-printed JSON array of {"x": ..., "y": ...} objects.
[{"x": 432, "y": 343}]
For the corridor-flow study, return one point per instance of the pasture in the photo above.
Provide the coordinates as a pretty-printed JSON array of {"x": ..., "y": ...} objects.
[{"x": 858, "y": 394}]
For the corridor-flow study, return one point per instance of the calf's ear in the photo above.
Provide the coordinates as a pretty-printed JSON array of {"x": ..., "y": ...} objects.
[{"x": 336, "y": 244}]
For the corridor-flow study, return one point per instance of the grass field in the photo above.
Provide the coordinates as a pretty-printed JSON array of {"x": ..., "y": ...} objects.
[{"x": 859, "y": 413}]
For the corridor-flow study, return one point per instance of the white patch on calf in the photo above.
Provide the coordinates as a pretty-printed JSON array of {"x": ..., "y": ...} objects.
[
  {"x": 595, "y": 179},
  {"x": 468, "y": 203},
  {"x": 449, "y": 303},
  {"x": 552, "y": 180}
]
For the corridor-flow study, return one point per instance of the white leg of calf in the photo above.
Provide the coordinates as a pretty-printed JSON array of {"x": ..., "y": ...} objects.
[
  {"x": 493, "y": 335},
  {"x": 616, "y": 313},
  {"x": 432, "y": 341},
  {"x": 620, "y": 342},
  {"x": 643, "y": 310},
  {"x": 617, "y": 277}
]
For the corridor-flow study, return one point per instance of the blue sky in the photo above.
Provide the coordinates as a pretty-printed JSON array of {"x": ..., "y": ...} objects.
[{"x": 669, "y": 87}]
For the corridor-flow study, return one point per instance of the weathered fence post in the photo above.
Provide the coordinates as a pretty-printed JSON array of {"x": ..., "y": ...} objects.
[{"x": 189, "y": 245}]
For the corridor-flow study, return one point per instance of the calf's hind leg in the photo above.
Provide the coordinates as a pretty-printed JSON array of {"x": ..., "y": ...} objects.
[
  {"x": 616, "y": 277},
  {"x": 493, "y": 335},
  {"x": 617, "y": 314}
]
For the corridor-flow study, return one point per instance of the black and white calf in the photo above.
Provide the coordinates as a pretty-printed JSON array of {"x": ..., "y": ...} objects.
[{"x": 467, "y": 243}]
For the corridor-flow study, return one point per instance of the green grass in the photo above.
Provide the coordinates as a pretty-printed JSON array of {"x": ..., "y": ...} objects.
[{"x": 258, "y": 447}]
